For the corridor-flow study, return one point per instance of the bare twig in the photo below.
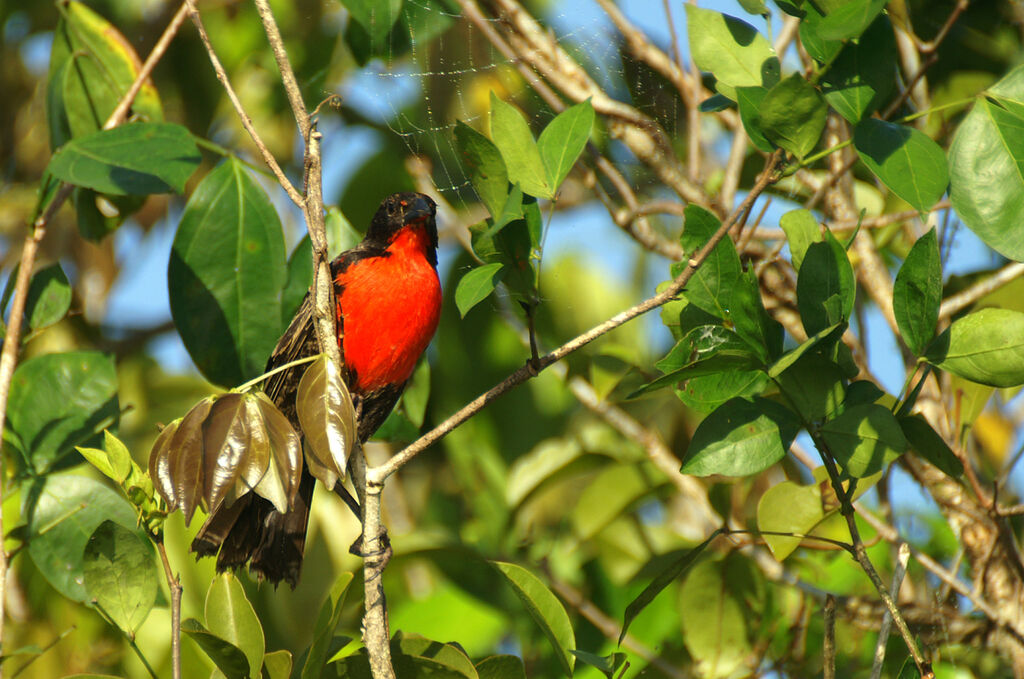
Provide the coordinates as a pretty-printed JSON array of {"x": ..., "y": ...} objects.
[
  {"x": 222, "y": 76},
  {"x": 969, "y": 296},
  {"x": 830, "y": 637},
  {"x": 174, "y": 584},
  {"x": 379, "y": 473},
  {"x": 902, "y": 556},
  {"x": 843, "y": 225}
]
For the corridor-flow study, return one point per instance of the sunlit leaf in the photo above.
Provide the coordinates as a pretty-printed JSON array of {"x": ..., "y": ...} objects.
[
  {"x": 850, "y": 19},
  {"x": 545, "y": 608},
  {"x": 120, "y": 575},
  {"x": 278, "y": 664},
  {"x": 917, "y": 293},
  {"x": 185, "y": 463},
  {"x": 792, "y": 115},
  {"x": 228, "y": 658},
  {"x": 985, "y": 346},
  {"x": 328, "y": 420},
  {"x": 477, "y": 285},
  {"x": 487, "y": 169},
  {"x": 714, "y": 619},
  {"x": 561, "y": 142},
  {"x": 230, "y": 616},
  {"x": 281, "y": 481},
  {"x": 731, "y": 50},
  {"x": 741, "y": 437},
  {"x": 860, "y": 79},
  {"x": 864, "y": 439},
  {"x": 134, "y": 159},
  {"x": 801, "y": 230},
  {"x": 905, "y": 159},
  {"x": 512, "y": 136},
  {"x": 608, "y": 665}
]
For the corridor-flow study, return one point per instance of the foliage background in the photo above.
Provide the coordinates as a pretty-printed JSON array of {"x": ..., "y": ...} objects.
[{"x": 537, "y": 478}]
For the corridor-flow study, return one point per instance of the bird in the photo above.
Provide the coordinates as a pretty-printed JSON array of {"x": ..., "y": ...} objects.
[{"x": 388, "y": 303}]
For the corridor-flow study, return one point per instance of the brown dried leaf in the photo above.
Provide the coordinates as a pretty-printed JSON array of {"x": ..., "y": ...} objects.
[
  {"x": 328, "y": 420},
  {"x": 234, "y": 462},
  {"x": 186, "y": 458},
  {"x": 281, "y": 481},
  {"x": 160, "y": 465}
]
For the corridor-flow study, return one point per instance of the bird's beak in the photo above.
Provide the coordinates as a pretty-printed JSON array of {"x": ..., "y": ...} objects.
[{"x": 418, "y": 209}]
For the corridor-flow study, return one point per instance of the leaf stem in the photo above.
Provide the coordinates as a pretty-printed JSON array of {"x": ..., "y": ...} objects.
[{"x": 281, "y": 368}]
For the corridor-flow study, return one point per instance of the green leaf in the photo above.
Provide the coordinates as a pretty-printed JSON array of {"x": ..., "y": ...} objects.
[
  {"x": 120, "y": 575},
  {"x": 986, "y": 346},
  {"x": 850, "y": 19},
  {"x": 230, "y": 616},
  {"x": 545, "y": 609},
  {"x": 375, "y": 16},
  {"x": 917, "y": 293},
  {"x": 712, "y": 284},
  {"x": 512, "y": 136},
  {"x": 754, "y": 6},
  {"x": 864, "y": 439},
  {"x": 717, "y": 637},
  {"x": 49, "y": 297},
  {"x": 822, "y": 338},
  {"x": 986, "y": 165},
  {"x": 860, "y": 79},
  {"x": 822, "y": 50},
  {"x": 825, "y": 286},
  {"x": 563, "y": 140},
  {"x": 323, "y": 630},
  {"x": 722, "y": 361},
  {"x": 59, "y": 401},
  {"x": 278, "y": 664},
  {"x": 92, "y": 66},
  {"x": 802, "y": 229},
  {"x": 476, "y": 285},
  {"x": 501, "y": 667},
  {"x": 225, "y": 276},
  {"x": 792, "y": 115},
  {"x": 673, "y": 572},
  {"x": 61, "y": 512},
  {"x": 740, "y": 438},
  {"x": 134, "y": 159},
  {"x": 927, "y": 443},
  {"x": 905, "y": 159},
  {"x": 228, "y": 658},
  {"x": 487, "y": 169},
  {"x": 731, "y": 50},
  {"x": 608, "y": 665},
  {"x": 814, "y": 387},
  {"x": 749, "y": 100},
  {"x": 612, "y": 492}
]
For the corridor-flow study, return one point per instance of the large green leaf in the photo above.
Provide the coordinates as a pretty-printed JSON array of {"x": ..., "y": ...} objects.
[
  {"x": 748, "y": 101},
  {"x": 825, "y": 286},
  {"x": 714, "y": 617},
  {"x": 49, "y": 297},
  {"x": 986, "y": 346},
  {"x": 792, "y": 115},
  {"x": 228, "y": 658},
  {"x": 741, "y": 437},
  {"x": 61, "y": 512},
  {"x": 120, "y": 575},
  {"x": 905, "y": 159},
  {"x": 545, "y": 608},
  {"x": 135, "y": 159},
  {"x": 225, "y": 276},
  {"x": 512, "y": 136},
  {"x": 323, "y": 630},
  {"x": 487, "y": 169},
  {"x": 230, "y": 616},
  {"x": 562, "y": 141},
  {"x": 712, "y": 284},
  {"x": 986, "y": 165},
  {"x": 859, "y": 80},
  {"x": 864, "y": 439},
  {"x": 917, "y": 293},
  {"x": 802, "y": 229},
  {"x": 59, "y": 401},
  {"x": 731, "y": 50},
  {"x": 849, "y": 19},
  {"x": 476, "y": 286}
]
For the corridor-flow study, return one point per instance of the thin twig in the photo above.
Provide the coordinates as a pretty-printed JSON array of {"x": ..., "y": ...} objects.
[
  {"x": 379, "y": 473},
  {"x": 902, "y": 556},
  {"x": 222, "y": 76},
  {"x": 174, "y": 584},
  {"x": 12, "y": 340},
  {"x": 830, "y": 637},
  {"x": 969, "y": 296}
]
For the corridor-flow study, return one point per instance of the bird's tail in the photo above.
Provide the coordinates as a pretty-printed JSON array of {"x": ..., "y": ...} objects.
[{"x": 252, "y": 529}]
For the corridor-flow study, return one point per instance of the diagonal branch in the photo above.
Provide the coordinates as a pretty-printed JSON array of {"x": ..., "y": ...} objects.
[{"x": 377, "y": 474}]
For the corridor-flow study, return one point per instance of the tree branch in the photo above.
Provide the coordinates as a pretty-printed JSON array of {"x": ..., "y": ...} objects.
[{"x": 380, "y": 473}]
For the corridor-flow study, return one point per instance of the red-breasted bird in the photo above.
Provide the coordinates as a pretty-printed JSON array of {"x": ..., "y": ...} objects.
[{"x": 388, "y": 304}]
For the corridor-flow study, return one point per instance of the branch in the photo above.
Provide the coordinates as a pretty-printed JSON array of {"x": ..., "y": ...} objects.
[
  {"x": 379, "y": 473},
  {"x": 174, "y": 584},
  {"x": 903, "y": 555},
  {"x": 12, "y": 340},
  {"x": 222, "y": 76},
  {"x": 969, "y": 296}
]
